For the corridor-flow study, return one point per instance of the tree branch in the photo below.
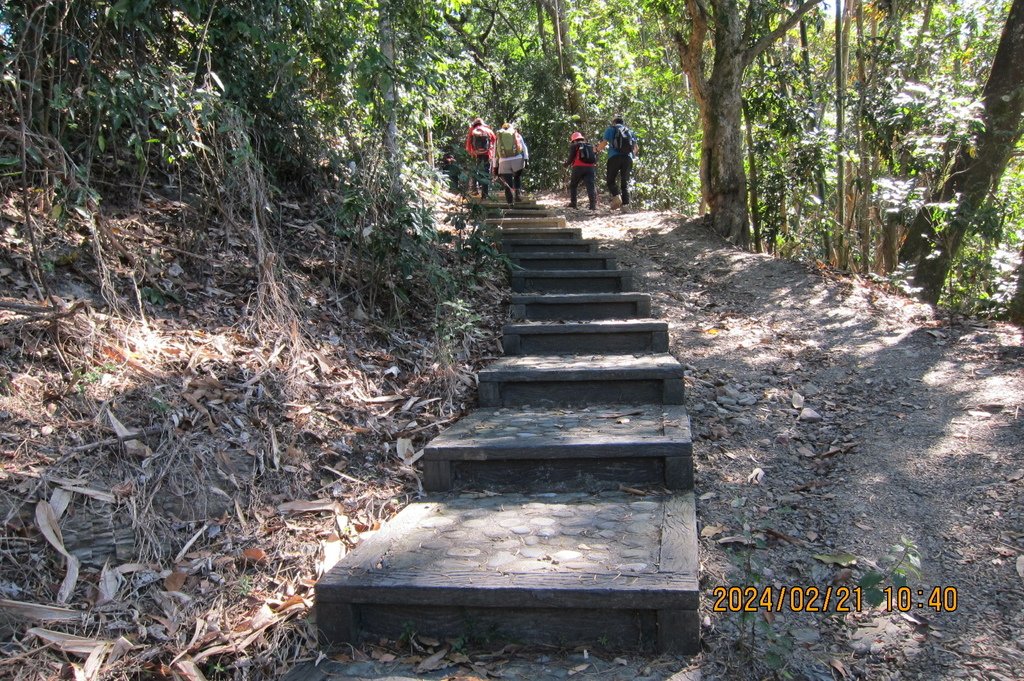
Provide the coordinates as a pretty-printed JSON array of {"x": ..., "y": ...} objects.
[{"x": 766, "y": 41}]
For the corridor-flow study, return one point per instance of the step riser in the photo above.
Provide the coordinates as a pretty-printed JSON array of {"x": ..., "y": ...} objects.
[
  {"x": 617, "y": 281},
  {"x": 557, "y": 475},
  {"x": 613, "y": 343},
  {"x": 546, "y": 263},
  {"x": 514, "y": 247},
  {"x": 663, "y": 631},
  {"x": 537, "y": 222},
  {"x": 520, "y": 233},
  {"x": 518, "y": 213},
  {"x": 511, "y": 393},
  {"x": 540, "y": 311}
]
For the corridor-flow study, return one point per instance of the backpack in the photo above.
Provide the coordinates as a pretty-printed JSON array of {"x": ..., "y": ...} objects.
[
  {"x": 508, "y": 145},
  {"x": 623, "y": 140},
  {"x": 586, "y": 153},
  {"x": 481, "y": 140}
]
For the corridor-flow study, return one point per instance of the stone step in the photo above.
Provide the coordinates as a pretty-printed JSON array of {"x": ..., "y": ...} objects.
[
  {"x": 591, "y": 449},
  {"x": 609, "y": 571},
  {"x": 608, "y": 337},
  {"x": 581, "y": 306},
  {"x": 541, "y": 233},
  {"x": 572, "y": 281},
  {"x": 547, "y": 380},
  {"x": 542, "y": 221},
  {"x": 564, "y": 261},
  {"x": 513, "y": 246},
  {"x": 536, "y": 212}
]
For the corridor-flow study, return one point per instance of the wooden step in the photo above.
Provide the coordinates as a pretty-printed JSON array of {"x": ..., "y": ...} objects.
[
  {"x": 547, "y": 450},
  {"x": 541, "y": 233},
  {"x": 581, "y": 306},
  {"x": 572, "y": 281},
  {"x": 534, "y": 212},
  {"x": 609, "y": 571},
  {"x": 513, "y": 246},
  {"x": 493, "y": 202},
  {"x": 542, "y": 221},
  {"x": 581, "y": 380},
  {"x": 566, "y": 261},
  {"x": 608, "y": 337}
]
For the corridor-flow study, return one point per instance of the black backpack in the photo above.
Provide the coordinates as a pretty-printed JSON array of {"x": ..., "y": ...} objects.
[
  {"x": 623, "y": 140},
  {"x": 586, "y": 153}
]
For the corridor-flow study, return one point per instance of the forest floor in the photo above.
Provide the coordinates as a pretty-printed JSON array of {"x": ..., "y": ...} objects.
[{"x": 204, "y": 472}]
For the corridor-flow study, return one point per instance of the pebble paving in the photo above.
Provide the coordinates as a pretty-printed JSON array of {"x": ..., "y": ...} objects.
[
  {"x": 546, "y": 533},
  {"x": 526, "y": 426}
]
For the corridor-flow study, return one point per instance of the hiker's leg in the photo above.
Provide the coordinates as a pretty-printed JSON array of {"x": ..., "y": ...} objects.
[
  {"x": 590, "y": 180},
  {"x": 613, "y": 170},
  {"x": 483, "y": 171},
  {"x": 627, "y": 166},
  {"x": 507, "y": 180},
  {"x": 574, "y": 183}
]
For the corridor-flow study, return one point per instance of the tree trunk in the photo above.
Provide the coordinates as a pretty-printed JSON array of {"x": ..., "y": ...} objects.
[
  {"x": 719, "y": 101},
  {"x": 755, "y": 199},
  {"x": 840, "y": 220},
  {"x": 1017, "y": 302},
  {"x": 931, "y": 247}
]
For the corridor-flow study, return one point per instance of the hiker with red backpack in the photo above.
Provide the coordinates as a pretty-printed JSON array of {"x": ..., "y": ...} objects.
[
  {"x": 480, "y": 142},
  {"x": 622, "y": 147},
  {"x": 509, "y": 161},
  {"x": 583, "y": 159}
]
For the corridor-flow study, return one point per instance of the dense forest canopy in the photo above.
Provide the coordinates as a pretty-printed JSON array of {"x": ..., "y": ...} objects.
[{"x": 849, "y": 135}]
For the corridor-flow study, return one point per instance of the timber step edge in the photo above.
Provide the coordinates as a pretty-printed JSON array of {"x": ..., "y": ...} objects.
[
  {"x": 581, "y": 306},
  {"x": 609, "y": 337},
  {"x": 564, "y": 380},
  {"x": 551, "y": 450}
]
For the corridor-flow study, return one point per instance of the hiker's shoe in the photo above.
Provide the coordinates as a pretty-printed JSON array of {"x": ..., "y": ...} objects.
[{"x": 616, "y": 202}]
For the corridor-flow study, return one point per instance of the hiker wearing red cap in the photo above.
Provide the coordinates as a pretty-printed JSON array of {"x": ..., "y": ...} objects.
[{"x": 582, "y": 158}]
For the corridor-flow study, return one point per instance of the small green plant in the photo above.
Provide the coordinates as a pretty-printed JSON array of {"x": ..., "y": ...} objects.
[
  {"x": 900, "y": 565},
  {"x": 245, "y": 585}
]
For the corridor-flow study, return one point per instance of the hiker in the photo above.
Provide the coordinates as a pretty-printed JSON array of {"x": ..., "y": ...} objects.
[
  {"x": 583, "y": 159},
  {"x": 509, "y": 160},
  {"x": 480, "y": 142},
  {"x": 450, "y": 167},
  {"x": 622, "y": 147}
]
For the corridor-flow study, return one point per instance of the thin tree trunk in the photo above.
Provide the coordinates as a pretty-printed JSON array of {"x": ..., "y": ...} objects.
[
  {"x": 755, "y": 200},
  {"x": 931, "y": 246},
  {"x": 541, "y": 32},
  {"x": 865, "y": 179},
  {"x": 1017, "y": 302},
  {"x": 840, "y": 218}
]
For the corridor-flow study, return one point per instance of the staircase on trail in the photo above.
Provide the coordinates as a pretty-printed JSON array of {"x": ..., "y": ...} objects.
[{"x": 562, "y": 509}]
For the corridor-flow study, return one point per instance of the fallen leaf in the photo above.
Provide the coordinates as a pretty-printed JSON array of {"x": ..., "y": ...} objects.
[
  {"x": 188, "y": 669},
  {"x": 310, "y": 506},
  {"x": 69, "y": 643},
  {"x": 382, "y": 656},
  {"x": 840, "y": 559},
  {"x": 756, "y": 476},
  {"x": 108, "y": 585},
  {"x": 174, "y": 581},
  {"x": 838, "y": 665},
  {"x": 712, "y": 530},
  {"x": 39, "y": 613},
  {"x": 255, "y": 555},
  {"x": 406, "y": 452},
  {"x": 736, "y": 539},
  {"x": 1020, "y": 566},
  {"x": 434, "y": 662},
  {"x": 46, "y": 520},
  {"x": 578, "y": 668}
]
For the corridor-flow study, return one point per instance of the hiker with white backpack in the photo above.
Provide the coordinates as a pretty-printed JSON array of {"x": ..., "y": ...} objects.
[{"x": 510, "y": 159}]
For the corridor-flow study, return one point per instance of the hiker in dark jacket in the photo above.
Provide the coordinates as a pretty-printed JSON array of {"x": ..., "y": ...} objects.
[
  {"x": 622, "y": 148},
  {"x": 583, "y": 159}
]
